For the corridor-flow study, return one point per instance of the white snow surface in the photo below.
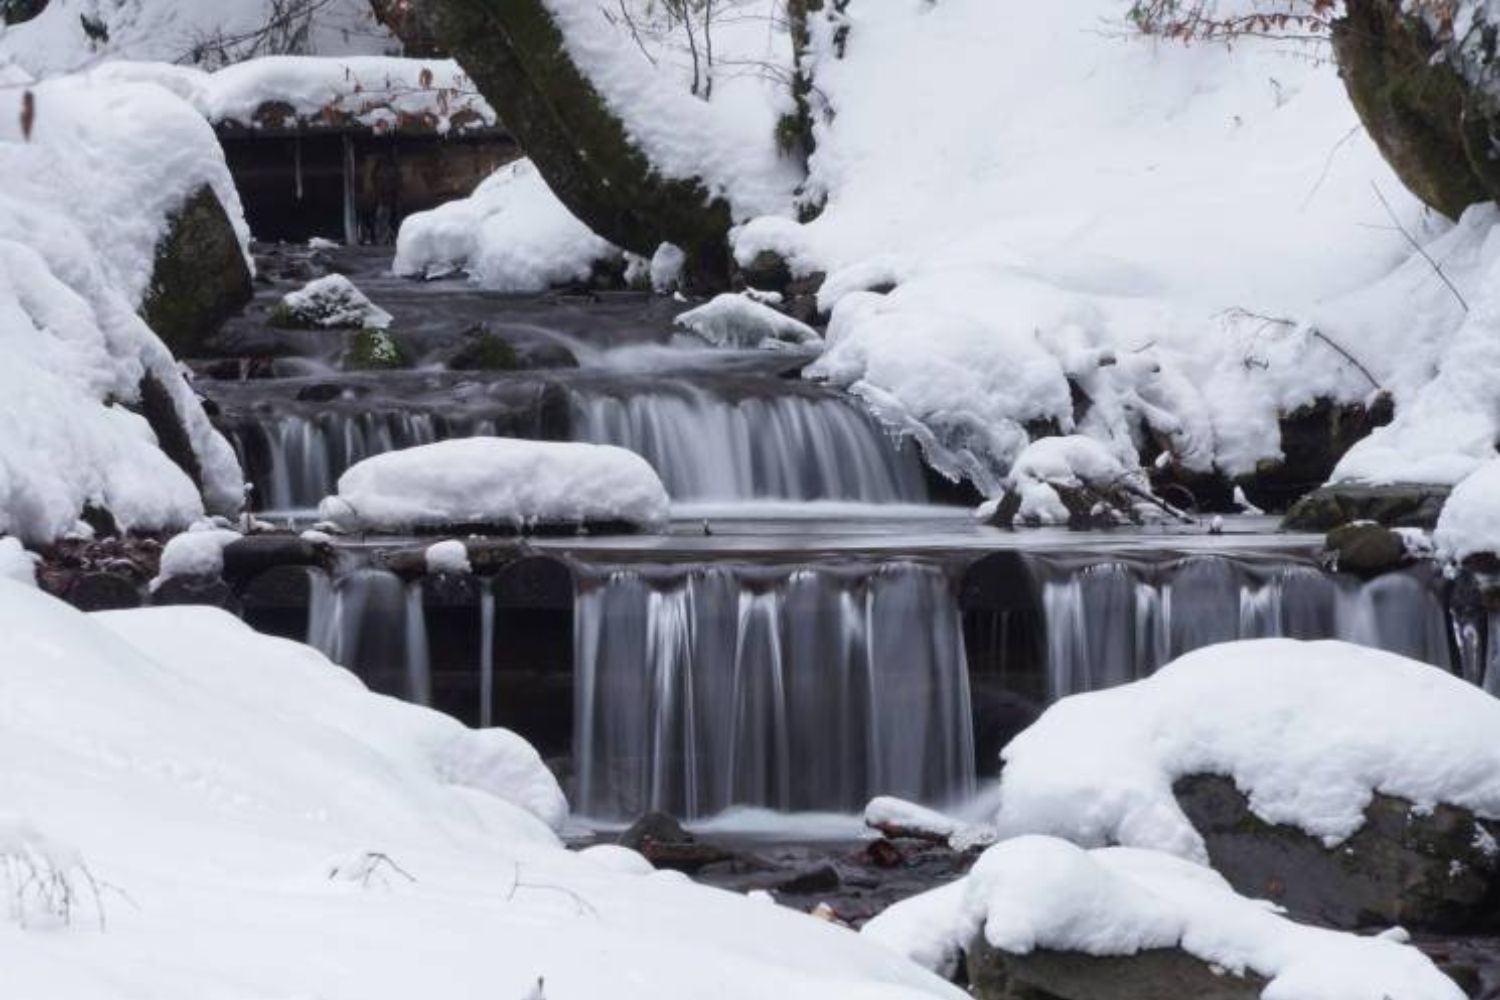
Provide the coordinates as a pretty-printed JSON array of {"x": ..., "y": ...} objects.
[
  {"x": 380, "y": 92},
  {"x": 1122, "y": 198},
  {"x": 510, "y": 235},
  {"x": 83, "y": 203},
  {"x": 1041, "y": 893},
  {"x": 1309, "y": 731},
  {"x": 495, "y": 481},
  {"x": 738, "y": 320},
  {"x": 16, "y": 564},
  {"x": 178, "y": 31},
  {"x": 334, "y": 301},
  {"x": 244, "y": 792},
  {"x": 448, "y": 556},
  {"x": 1072, "y": 460},
  {"x": 1470, "y": 520}
]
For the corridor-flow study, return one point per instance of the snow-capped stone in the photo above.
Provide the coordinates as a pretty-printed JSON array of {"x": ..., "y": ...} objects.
[
  {"x": 448, "y": 556},
  {"x": 196, "y": 552},
  {"x": 331, "y": 302},
  {"x": 494, "y": 483},
  {"x": 739, "y": 320}
]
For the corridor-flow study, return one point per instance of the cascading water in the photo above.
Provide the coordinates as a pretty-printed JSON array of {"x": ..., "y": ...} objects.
[
  {"x": 790, "y": 447},
  {"x": 372, "y": 622},
  {"x": 1111, "y": 622},
  {"x": 792, "y": 688}
]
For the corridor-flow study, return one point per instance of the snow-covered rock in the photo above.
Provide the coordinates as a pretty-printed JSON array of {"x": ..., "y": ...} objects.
[
  {"x": 330, "y": 302},
  {"x": 84, "y": 202},
  {"x": 448, "y": 556},
  {"x": 1470, "y": 521},
  {"x": 1041, "y": 900},
  {"x": 16, "y": 564},
  {"x": 1059, "y": 480},
  {"x": 498, "y": 483},
  {"x": 740, "y": 320},
  {"x": 510, "y": 235},
  {"x": 196, "y": 552},
  {"x": 241, "y": 792}
]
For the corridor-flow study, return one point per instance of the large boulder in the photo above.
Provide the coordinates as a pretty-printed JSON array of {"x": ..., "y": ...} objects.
[
  {"x": 1156, "y": 974},
  {"x": 200, "y": 277},
  {"x": 1435, "y": 870},
  {"x": 1395, "y": 505}
]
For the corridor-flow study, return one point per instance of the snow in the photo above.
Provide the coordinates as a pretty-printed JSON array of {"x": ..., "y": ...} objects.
[
  {"x": 739, "y": 320},
  {"x": 1035, "y": 893},
  {"x": 510, "y": 235},
  {"x": 16, "y": 564},
  {"x": 666, "y": 268},
  {"x": 498, "y": 481},
  {"x": 198, "y": 551},
  {"x": 1070, "y": 461},
  {"x": 178, "y": 31},
  {"x": 1470, "y": 520},
  {"x": 84, "y": 202},
  {"x": 1123, "y": 199},
  {"x": 1309, "y": 731},
  {"x": 448, "y": 556},
  {"x": 217, "y": 778},
  {"x": 383, "y": 93},
  {"x": 332, "y": 302},
  {"x": 728, "y": 141}
]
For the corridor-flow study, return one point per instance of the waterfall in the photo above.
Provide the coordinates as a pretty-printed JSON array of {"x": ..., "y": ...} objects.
[
  {"x": 1111, "y": 622},
  {"x": 795, "y": 689},
  {"x": 486, "y": 657},
  {"x": 371, "y": 622},
  {"x": 785, "y": 447}
]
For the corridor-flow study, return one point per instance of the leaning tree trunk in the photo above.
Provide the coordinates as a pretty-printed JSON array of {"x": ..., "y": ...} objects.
[{"x": 515, "y": 52}]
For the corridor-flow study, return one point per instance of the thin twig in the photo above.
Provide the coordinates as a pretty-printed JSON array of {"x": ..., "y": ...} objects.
[{"x": 1418, "y": 247}]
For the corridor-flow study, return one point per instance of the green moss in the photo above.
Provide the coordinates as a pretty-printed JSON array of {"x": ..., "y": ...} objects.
[
  {"x": 375, "y": 350},
  {"x": 284, "y": 317},
  {"x": 484, "y": 351}
]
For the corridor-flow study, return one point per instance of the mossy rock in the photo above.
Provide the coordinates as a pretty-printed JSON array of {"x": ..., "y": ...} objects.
[
  {"x": 483, "y": 350},
  {"x": 1399, "y": 505},
  {"x": 1154, "y": 974},
  {"x": 375, "y": 350},
  {"x": 284, "y": 317},
  {"x": 200, "y": 277}
]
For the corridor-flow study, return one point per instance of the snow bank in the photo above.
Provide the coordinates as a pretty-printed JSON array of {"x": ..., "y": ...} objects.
[
  {"x": 179, "y": 31},
  {"x": 510, "y": 235},
  {"x": 1470, "y": 521},
  {"x": 1309, "y": 731},
  {"x": 728, "y": 141},
  {"x": 1237, "y": 179},
  {"x": 738, "y": 320},
  {"x": 211, "y": 774},
  {"x": 498, "y": 481},
  {"x": 332, "y": 302},
  {"x": 83, "y": 204},
  {"x": 1036, "y": 893},
  {"x": 448, "y": 556},
  {"x": 198, "y": 551},
  {"x": 16, "y": 564},
  {"x": 382, "y": 93}
]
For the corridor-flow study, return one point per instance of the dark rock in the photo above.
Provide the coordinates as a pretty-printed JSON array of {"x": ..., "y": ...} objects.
[
  {"x": 104, "y": 592},
  {"x": 1435, "y": 871},
  {"x": 1401, "y": 505},
  {"x": 281, "y": 587},
  {"x": 535, "y": 582},
  {"x": 883, "y": 854},
  {"x": 255, "y": 554},
  {"x": 1158, "y": 974},
  {"x": 1366, "y": 548},
  {"x": 327, "y": 392},
  {"x": 1313, "y": 439},
  {"x": 200, "y": 277},
  {"x": 484, "y": 350},
  {"x": 768, "y": 272},
  {"x": 160, "y": 411},
  {"x": 663, "y": 842},
  {"x": 196, "y": 590}
]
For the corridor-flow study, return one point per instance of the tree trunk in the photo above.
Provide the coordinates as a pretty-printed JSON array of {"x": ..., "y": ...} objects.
[{"x": 515, "y": 52}]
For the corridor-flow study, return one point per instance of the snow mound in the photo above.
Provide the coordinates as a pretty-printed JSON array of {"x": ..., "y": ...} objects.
[
  {"x": 738, "y": 320},
  {"x": 1470, "y": 521},
  {"x": 1309, "y": 731},
  {"x": 448, "y": 556},
  {"x": 84, "y": 202},
  {"x": 510, "y": 235},
  {"x": 1072, "y": 461},
  {"x": 211, "y": 774},
  {"x": 16, "y": 564},
  {"x": 332, "y": 302},
  {"x": 1036, "y": 893},
  {"x": 198, "y": 551},
  {"x": 498, "y": 482},
  {"x": 503, "y": 764}
]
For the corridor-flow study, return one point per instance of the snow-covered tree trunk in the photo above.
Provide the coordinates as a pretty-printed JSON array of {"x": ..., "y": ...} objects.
[{"x": 517, "y": 56}]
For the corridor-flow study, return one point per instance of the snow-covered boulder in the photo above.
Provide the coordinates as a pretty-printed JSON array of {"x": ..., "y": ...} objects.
[
  {"x": 740, "y": 320},
  {"x": 1354, "y": 785},
  {"x": 510, "y": 235},
  {"x": 243, "y": 793},
  {"x": 198, "y": 552},
  {"x": 504, "y": 484},
  {"x": 1073, "y": 480},
  {"x": 1037, "y": 913},
  {"x": 1470, "y": 521},
  {"x": 447, "y": 556},
  {"x": 329, "y": 302},
  {"x": 90, "y": 398}
]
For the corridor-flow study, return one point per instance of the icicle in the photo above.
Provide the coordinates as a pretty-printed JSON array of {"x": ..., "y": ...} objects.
[
  {"x": 486, "y": 656},
  {"x": 351, "y": 194}
]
